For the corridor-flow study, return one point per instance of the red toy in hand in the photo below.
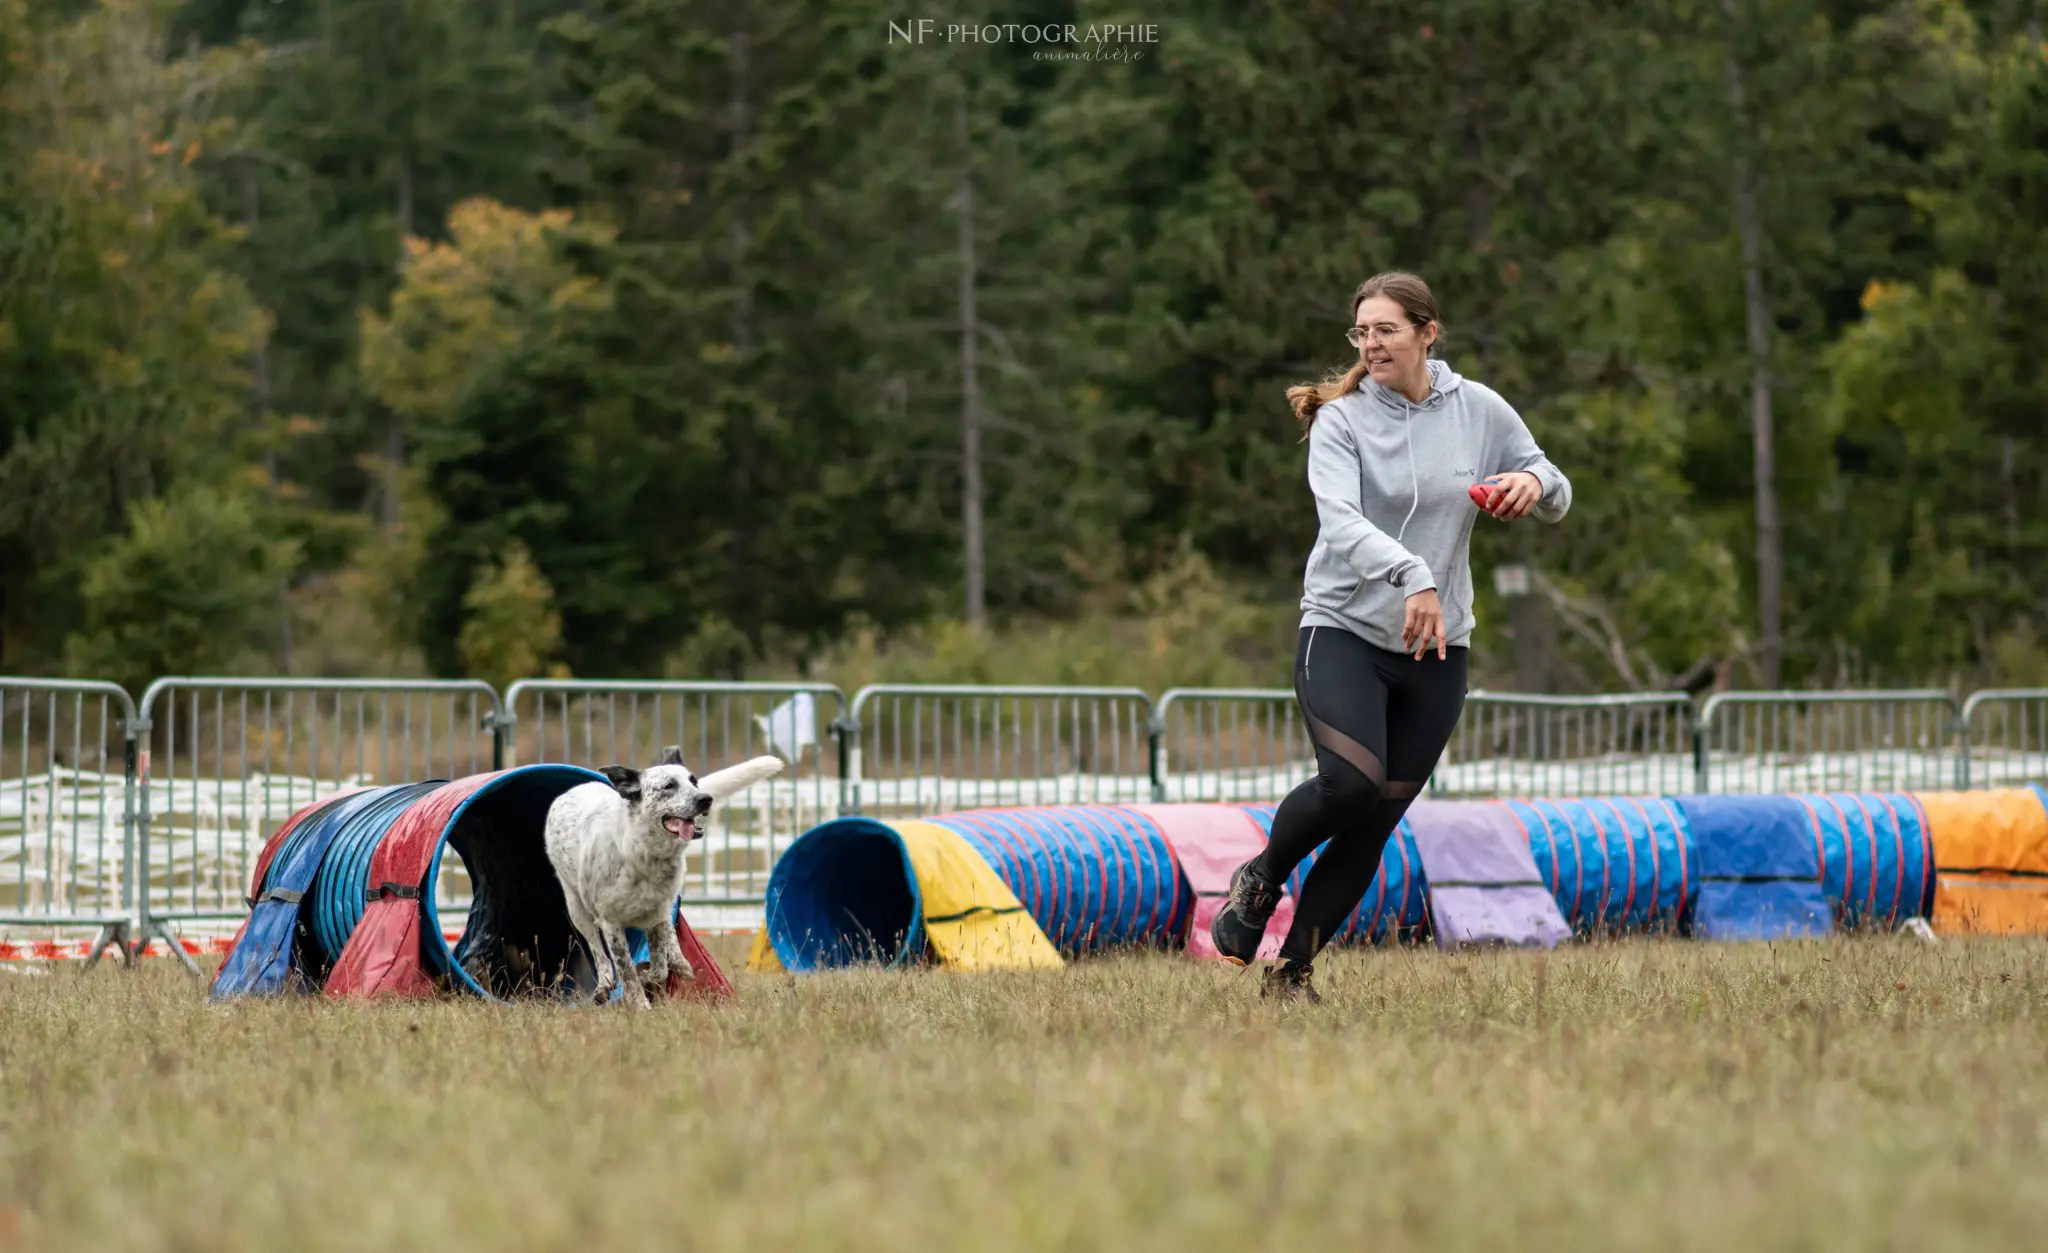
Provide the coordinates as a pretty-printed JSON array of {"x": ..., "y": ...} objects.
[{"x": 1482, "y": 493}]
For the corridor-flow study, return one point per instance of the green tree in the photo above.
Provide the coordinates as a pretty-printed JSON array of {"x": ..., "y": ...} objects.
[
  {"x": 1939, "y": 398},
  {"x": 767, "y": 485},
  {"x": 188, "y": 588},
  {"x": 368, "y": 122},
  {"x": 123, "y": 337},
  {"x": 981, "y": 298},
  {"x": 512, "y": 630}
]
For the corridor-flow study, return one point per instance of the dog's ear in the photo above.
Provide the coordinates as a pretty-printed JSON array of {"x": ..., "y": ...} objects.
[
  {"x": 624, "y": 779},
  {"x": 671, "y": 756}
]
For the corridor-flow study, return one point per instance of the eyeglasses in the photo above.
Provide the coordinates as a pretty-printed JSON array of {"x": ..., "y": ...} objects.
[{"x": 1383, "y": 333}]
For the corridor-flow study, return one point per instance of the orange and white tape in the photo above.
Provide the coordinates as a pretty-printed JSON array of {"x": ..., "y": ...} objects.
[{"x": 79, "y": 950}]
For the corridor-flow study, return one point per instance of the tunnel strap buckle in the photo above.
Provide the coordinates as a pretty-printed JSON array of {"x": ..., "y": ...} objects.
[
  {"x": 403, "y": 891},
  {"x": 286, "y": 895}
]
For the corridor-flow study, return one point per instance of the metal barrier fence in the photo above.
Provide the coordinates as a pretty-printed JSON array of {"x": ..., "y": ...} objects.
[
  {"x": 1753, "y": 742},
  {"x": 716, "y": 724},
  {"x": 2004, "y": 738},
  {"x": 127, "y": 817},
  {"x": 1511, "y": 744},
  {"x": 945, "y": 748},
  {"x": 224, "y": 761},
  {"x": 1228, "y": 744},
  {"x": 66, "y": 795},
  {"x": 1249, "y": 744}
]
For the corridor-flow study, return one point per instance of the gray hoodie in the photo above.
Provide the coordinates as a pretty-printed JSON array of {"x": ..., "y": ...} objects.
[{"x": 1390, "y": 480}]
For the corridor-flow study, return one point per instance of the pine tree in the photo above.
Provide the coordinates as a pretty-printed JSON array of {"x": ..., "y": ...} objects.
[{"x": 123, "y": 339}]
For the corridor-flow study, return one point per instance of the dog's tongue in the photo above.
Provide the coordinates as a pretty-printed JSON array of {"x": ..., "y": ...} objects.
[{"x": 676, "y": 826}]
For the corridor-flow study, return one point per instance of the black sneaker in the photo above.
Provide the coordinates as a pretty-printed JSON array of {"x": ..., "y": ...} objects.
[
  {"x": 1240, "y": 925},
  {"x": 1287, "y": 981}
]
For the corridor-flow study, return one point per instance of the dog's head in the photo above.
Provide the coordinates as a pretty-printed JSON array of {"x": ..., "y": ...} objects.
[{"x": 665, "y": 795}]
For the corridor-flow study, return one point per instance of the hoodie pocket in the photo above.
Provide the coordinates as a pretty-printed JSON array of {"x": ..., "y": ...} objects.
[
  {"x": 1447, "y": 594},
  {"x": 1332, "y": 584}
]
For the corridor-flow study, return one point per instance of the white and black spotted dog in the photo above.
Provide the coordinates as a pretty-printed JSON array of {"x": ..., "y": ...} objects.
[{"x": 618, "y": 850}]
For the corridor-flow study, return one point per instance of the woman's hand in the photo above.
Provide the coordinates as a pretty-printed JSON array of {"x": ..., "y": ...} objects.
[
  {"x": 1425, "y": 623},
  {"x": 1515, "y": 494}
]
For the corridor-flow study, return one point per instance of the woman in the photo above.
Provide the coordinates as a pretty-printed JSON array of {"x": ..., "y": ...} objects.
[{"x": 1379, "y": 672}]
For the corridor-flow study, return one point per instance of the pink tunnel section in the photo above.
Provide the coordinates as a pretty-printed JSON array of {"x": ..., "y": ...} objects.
[{"x": 1210, "y": 841}]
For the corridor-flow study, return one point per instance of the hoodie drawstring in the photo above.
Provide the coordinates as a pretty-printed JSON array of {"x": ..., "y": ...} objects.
[{"x": 1414, "y": 481}]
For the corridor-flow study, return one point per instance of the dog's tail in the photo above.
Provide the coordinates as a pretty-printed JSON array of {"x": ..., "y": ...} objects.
[{"x": 733, "y": 780}]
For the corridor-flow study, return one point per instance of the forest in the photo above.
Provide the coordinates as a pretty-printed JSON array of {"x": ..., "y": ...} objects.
[{"x": 746, "y": 338}]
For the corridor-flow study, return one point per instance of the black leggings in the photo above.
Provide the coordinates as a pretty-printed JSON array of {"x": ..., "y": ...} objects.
[{"x": 1379, "y": 721}]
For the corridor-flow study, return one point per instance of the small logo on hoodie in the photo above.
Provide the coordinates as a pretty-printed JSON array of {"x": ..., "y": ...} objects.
[{"x": 1464, "y": 474}]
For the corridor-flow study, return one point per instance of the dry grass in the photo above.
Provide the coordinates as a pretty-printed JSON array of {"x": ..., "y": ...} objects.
[{"x": 1859, "y": 1094}]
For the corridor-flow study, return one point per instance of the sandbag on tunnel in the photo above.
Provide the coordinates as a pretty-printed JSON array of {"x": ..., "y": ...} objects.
[
  {"x": 1990, "y": 860},
  {"x": 1760, "y": 868},
  {"x": 271, "y": 953}
]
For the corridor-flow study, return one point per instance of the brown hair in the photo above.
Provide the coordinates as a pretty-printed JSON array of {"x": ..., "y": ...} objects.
[{"x": 1404, "y": 289}]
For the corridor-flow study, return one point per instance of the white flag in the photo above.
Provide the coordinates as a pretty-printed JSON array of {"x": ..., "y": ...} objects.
[{"x": 791, "y": 726}]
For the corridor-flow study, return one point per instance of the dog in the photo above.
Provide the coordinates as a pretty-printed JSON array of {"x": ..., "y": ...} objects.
[{"x": 617, "y": 848}]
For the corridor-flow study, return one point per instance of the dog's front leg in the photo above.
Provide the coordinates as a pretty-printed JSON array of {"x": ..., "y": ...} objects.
[
  {"x": 667, "y": 951},
  {"x": 605, "y": 966},
  {"x": 622, "y": 961}
]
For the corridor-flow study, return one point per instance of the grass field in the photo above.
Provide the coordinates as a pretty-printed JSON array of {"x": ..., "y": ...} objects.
[{"x": 1859, "y": 1094}]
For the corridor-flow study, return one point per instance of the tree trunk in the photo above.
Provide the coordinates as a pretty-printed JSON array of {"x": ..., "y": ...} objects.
[
  {"x": 394, "y": 434},
  {"x": 2006, "y": 458},
  {"x": 1757, "y": 314},
  {"x": 1478, "y": 191},
  {"x": 260, "y": 402},
  {"x": 746, "y": 583},
  {"x": 1529, "y": 619},
  {"x": 975, "y": 556}
]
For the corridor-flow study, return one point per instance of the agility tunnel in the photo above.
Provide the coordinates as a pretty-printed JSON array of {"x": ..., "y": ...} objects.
[
  {"x": 1876, "y": 856},
  {"x": 982, "y": 888},
  {"x": 1035, "y": 884},
  {"x": 344, "y": 903},
  {"x": 1613, "y": 864}
]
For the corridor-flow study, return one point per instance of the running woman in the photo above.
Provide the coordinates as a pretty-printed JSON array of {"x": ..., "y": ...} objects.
[{"x": 1394, "y": 444}]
